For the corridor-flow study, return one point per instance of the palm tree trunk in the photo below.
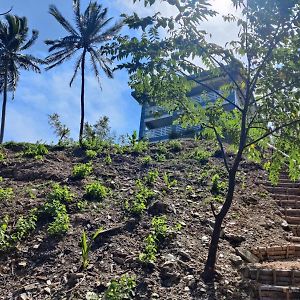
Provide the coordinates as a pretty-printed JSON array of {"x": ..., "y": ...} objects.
[
  {"x": 3, "y": 107},
  {"x": 82, "y": 98}
]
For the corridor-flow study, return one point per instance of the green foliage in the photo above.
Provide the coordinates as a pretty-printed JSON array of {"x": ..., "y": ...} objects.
[
  {"x": 96, "y": 191},
  {"x": 138, "y": 205},
  {"x": 58, "y": 212},
  {"x": 6, "y": 194},
  {"x": 36, "y": 151},
  {"x": 91, "y": 154},
  {"x": 218, "y": 188},
  {"x": 85, "y": 248},
  {"x": 133, "y": 139},
  {"x": 122, "y": 288},
  {"x": 108, "y": 159},
  {"x": 81, "y": 205},
  {"x": 32, "y": 194},
  {"x": 2, "y": 155},
  {"x": 151, "y": 177},
  {"x": 200, "y": 155},
  {"x": 175, "y": 146},
  {"x": 159, "y": 233},
  {"x": 146, "y": 160},
  {"x": 160, "y": 157},
  {"x": 60, "y": 193},
  {"x": 81, "y": 170},
  {"x": 25, "y": 225},
  {"x": 60, "y": 130},
  {"x": 168, "y": 181},
  {"x": 4, "y": 237},
  {"x": 140, "y": 147}
]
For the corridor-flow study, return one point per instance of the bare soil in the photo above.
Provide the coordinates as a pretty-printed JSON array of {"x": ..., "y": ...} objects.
[{"x": 46, "y": 267}]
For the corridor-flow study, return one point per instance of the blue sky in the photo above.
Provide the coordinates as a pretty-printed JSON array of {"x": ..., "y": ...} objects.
[{"x": 39, "y": 95}]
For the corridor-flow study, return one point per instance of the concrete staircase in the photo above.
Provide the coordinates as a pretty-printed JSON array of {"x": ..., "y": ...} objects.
[{"x": 280, "y": 283}]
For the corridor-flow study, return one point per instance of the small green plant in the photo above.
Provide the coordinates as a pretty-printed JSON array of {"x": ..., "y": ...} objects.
[
  {"x": 160, "y": 157},
  {"x": 218, "y": 186},
  {"x": 6, "y": 194},
  {"x": 2, "y": 156},
  {"x": 4, "y": 237},
  {"x": 138, "y": 205},
  {"x": 36, "y": 151},
  {"x": 146, "y": 160},
  {"x": 85, "y": 248},
  {"x": 151, "y": 177},
  {"x": 91, "y": 154},
  {"x": 108, "y": 159},
  {"x": 122, "y": 288},
  {"x": 159, "y": 233},
  {"x": 200, "y": 155},
  {"x": 162, "y": 149},
  {"x": 60, "y": 193},
  {"x": 81, "y": 171},
  {"x": 175, "y": 146},
  {"x": 25, "y": 225},
  {"x": 133, "y": 139},
  {"x": 81, "y": 205},
  {"x": 31, "y": 193},
  {"x": 96, "y": 191},
  {"x": 56, "y": 210},
  {"x": 168, "y": 181},
  {"x": 60, "y": 130}
]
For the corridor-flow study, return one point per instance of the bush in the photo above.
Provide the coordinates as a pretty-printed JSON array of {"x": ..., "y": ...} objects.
[
  {"x": 6, "y": 194},
  {"x": 121, "y": 288},
  {"x": 175, "y": 146},
  {"x": 35, "y": 150},
  {"x": 96, "y": 191},
  {"x": 201, "y": 155},
  {"x": 146, "y": 160},
  {"x": 91, "y": 154},
  {"x": 60, "y": 193},
  {"x": 81, "y": 171}
]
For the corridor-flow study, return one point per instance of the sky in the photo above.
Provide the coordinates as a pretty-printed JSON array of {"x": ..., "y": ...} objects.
[{"x": 39, "y": 95}]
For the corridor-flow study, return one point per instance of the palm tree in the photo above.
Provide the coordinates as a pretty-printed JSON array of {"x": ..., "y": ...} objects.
[
  {"x": 90, "y": 31},
  {"x": 13, "y": 41}
]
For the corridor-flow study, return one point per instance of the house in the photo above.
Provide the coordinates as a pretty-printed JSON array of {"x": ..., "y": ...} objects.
[{"x": 156, "y": 124}]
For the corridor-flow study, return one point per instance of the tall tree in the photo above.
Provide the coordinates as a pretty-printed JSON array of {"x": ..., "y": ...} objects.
[
  {"x": 88, "y": 34},
  {"x": 13, "y": 42},
  {"x": 261, "y": 65}
]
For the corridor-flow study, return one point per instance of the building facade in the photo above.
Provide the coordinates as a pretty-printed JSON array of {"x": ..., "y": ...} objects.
[{"x": 157, "y": 125}]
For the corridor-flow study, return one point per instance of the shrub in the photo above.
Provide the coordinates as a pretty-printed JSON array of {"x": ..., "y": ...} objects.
[
  {"x": 151, "y": 177},
  {"x": 81, "y": 171},
  {"x": 122, "y": 288},
  {"x": 58, "y": 212},
  {"x": 200, "y": 155},
  {"x": 6, "y": 194},
  {"x": 175, "y": 146},
  {"x": 108, "y": 159},
  {"x": 96, "y": 191},
  {"x": 25, "y": 225},
  {"x": 146, "y": 160},
  {"x": 60, "y": 130},
  {"x": 91, "y": 154},
  {"x": 60, "y": 193},
  {"x": 4, "y": 238},
  {"x": 2, "y": 156},
  {"x": 168, "y": 181},
  {"x": 35, "y": 150}
]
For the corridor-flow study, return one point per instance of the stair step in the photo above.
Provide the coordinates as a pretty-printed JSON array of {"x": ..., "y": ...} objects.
[
  {"x": 293, "y": 220},
  {"x": 277, "y": 292},
  {"x": 288, "y": 203},
  {"x": 291, "y": 212},
  {"x": 286, "y": 197},
  {"x": 294, "y": 239},
  {"x": 283, "y": 185},
  {"x": 296, "y": 230},
  {"x": 283, "y": 191}
]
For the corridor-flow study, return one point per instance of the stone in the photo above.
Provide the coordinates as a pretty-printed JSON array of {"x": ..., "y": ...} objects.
[
  {"x": 205, "y": 239},
  {"x": 190, "y": 281},
  {"x": 247, "y": 255},
  {"x": 158, "y": 207},
  {"x": 185, "y": 256},
  {"x": 30, "y": 287},
  {"x": 285, "y": 225},
  {"x": 169, "y": 273},
  {"x": 236, "y": 260},
  {"x": 47, "y": 290},
  {"x": 234, "y": 238}
]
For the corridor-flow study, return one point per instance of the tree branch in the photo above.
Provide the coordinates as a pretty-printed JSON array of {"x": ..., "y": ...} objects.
[
  {"x": 2, "y": 14},
  {"x": 272, "y": 131}
]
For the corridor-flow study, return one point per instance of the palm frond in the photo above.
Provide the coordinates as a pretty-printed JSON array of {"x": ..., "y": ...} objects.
[
  {"x": 61, "y": 60},
  {"x": 62, "y": 20},
  {"x": 77, "y": 67},
  {"x": 32, "y": 40}
]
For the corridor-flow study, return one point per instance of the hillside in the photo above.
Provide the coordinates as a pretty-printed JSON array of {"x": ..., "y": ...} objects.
[{"x": 177, "y": 182}]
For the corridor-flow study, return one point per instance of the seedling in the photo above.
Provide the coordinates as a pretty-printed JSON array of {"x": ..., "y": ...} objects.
[
  {"x": 168, "y": 181},
  {"x": 61, "y": 194},
  {"x": 200, "y": 155},
  {"x": 2, "y": 156},
  {"x": 108, "y": 159},
  {"x": 36, "y": 151},
  {"x": 91, "y": 154},
  {"x": 151, "y": 177},
  {"x": 122, "y": 288},
  {"x": 6, "y": 194},
  {"x": 81, "y": 171},
  {"x": 146, "y": 160},
  {"x": 96, "y": 191},
  {"x": 175, "y": 146},
  {"x": 4, "y": 238}
]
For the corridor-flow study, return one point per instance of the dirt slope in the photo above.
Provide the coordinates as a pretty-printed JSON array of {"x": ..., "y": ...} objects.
[{"x": 42, "y": 266}]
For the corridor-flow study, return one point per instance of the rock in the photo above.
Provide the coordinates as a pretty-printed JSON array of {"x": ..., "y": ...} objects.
[
  {"x": 247, "y": 255},
  {"x": 234, "y": 238},
  {"x": 119, "y": 260},
  {"x": 158, "y": 207},
  {"x": 155, "y": 295},
  {"x": 47, "y": 290},
  {"x": 236, "y": 260},
  {"x": 23, "y": 296},
  {"x": 285, "y": 225},
  {"x": 185, "y": 256},
  {"x": 190, "y": 281},
  {"x": 30, "y": 287},
  {"x": 169, "y": 273},
  {"x": 205, "y": 239}
]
